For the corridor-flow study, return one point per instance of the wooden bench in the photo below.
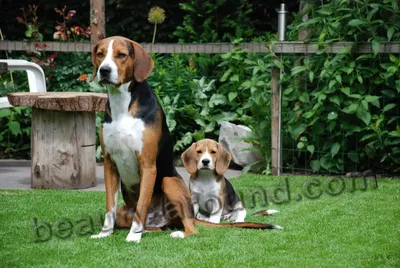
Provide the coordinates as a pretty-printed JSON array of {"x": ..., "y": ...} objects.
[{"x": 63, "y": 134}]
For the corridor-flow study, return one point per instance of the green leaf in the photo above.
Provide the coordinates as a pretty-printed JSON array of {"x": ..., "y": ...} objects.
[
  {"x": 311, "y": 148},
  {"x": 332, "y": 83},
  {"x": 232, "y": 95},
  {"x": 357, "y": 22},
  {"x": 300, "y": 145},
  {"x": 394, "y": 59},
  {"x": 14, "y": 127},
  {"x": 308, "y": 114},
  {"x": 217, "y": 99},
  {"x": 279, "y": 64},
  {"x": 389, "y": 93},
  {"x": 390, "y": 33},
  {"x": 346, "y": 90},
  {"x": 353, "y": 156},
  {"x": 315, "y": 165},
  {"x": 298, "y": 69},
  {"x": 355, "y": 96},
  {"x": 297, "y": 130},
  {"x": 332, "y": 115},
  {"x": 388, "y": 107},
  {"x": 246, "y": 84},
  {"x": 370, "y": 98},
  {"x": 336, "y": 100},
  {"x": 375, "y": 46},
  {"x": 365, "y": 104},
  {"x": 339, "y": 79},
  {"x": 5, "y": 113},
  {"x": 29, "y": 32},
  {"x": 225, "y": 75},
  {"x": 224, "y": 116},
  {"x": 335, "y": 149},
  {"x": 363, "y": 114},
  {"x": 351, "y": 109},
  {"x": 360, "y": 79},
  {"x": 234, "y": 78},
  {"x": 311, "y": 76}
]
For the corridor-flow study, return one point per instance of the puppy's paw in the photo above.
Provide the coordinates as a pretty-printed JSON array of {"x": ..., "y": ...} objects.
[{"x": 177, "y": 234}]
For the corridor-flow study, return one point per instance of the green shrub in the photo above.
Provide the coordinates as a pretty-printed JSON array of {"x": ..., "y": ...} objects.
[{"x": 341, "y": 110}]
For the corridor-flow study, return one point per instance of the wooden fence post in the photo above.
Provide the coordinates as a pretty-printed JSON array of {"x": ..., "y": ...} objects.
[
  {"x": 275, "y": 122},
  {"x": 97, "y": 20}
]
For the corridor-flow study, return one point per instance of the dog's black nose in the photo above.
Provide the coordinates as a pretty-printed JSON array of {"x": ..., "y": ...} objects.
[
  {"x": 105, "y": 71},
  {"x": 205, "y": 162}
]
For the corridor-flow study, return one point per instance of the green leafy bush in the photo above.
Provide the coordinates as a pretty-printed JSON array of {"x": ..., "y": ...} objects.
[
  {"x": 341, "y": 110},
  {"x": 15, "y": 132}
]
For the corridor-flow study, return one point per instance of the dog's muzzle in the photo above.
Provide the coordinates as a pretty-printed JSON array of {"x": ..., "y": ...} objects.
[
  {"x": 104, "y": 76},
  {"x": 205, "y": 163}
]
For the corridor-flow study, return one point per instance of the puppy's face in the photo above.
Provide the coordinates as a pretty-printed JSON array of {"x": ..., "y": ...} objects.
[
  {"x": 206, "y": 155},
  {"x": 118, "y": 60}
]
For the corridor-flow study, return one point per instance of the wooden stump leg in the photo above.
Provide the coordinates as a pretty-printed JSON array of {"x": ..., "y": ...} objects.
[{"x": 63, "y": 149}]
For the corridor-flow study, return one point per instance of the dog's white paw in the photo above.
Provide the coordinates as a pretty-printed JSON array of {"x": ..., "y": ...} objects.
[
  {"x": 177, "y": 234},
  {"x": 227, "y": 216},
  {"x": 272, "y": 211},
  {"x": 102, "y": 234},
  {"x": 134, "y": 237},
  {"x": 278, "y": 227}
]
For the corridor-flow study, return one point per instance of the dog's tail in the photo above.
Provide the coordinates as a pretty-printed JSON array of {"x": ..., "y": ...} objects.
[{"x": 245, "y": 225}]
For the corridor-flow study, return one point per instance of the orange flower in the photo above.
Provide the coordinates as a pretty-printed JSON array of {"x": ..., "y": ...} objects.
[{"x": 82, "y": 77}]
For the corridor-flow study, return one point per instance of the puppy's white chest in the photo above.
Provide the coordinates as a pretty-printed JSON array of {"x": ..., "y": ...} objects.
[
  {"x": 205, "y": 184},
  {"x": 123, "y": 137},
  {"x": 206, "y": 192}
]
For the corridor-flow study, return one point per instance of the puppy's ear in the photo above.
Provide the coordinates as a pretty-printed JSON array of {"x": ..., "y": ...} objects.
[
  {"x": 189, "y": 159},
  {"x": 94, "y": 62},
  {"x": 143, "y": 64},
  {"x": 223, "y": 160}
]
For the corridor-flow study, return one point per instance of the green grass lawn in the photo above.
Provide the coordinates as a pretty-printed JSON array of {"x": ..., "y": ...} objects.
[{"x": 350, "y": 229}]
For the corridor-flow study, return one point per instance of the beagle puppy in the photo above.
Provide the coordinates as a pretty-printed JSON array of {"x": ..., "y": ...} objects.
[{"x": 213, "y": 196}]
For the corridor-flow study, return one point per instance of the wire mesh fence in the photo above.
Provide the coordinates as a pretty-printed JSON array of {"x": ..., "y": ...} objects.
[{"x": 340, "y": 115}]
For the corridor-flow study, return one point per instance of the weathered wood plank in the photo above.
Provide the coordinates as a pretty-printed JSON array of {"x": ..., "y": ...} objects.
[
  {"x": 286, "y": 47},
  {"x": 275, "y": 109},
  {"x": 60, "y": 101},
  {"x": 63, "y": 149}
]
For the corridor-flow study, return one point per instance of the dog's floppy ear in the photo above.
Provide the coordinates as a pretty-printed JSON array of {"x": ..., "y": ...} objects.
[
  {"x": 189, "y": 159},
  {"x": 95, "y": 67},
  {"x": 223, "y": 160},
  {"x": 143, "y": 64}
]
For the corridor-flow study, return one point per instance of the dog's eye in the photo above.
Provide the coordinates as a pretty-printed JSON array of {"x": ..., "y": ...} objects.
[
  {"x": 199, "y": 151},
  {"x": 121, "y": 56},
  {"x": 100, "y": 55},
  {"x": 213, "y": 152}
]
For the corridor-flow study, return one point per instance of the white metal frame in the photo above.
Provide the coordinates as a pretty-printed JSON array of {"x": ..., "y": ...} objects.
[{"x": 36, "y": 79}]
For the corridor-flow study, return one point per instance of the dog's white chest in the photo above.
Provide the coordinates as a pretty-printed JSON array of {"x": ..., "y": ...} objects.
[
  {"x": 123, "y": 136},
  {"x": 205, "y": 184}
]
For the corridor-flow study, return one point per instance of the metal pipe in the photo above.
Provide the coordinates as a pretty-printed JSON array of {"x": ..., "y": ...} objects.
[{"x": 282, "y": 22}]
